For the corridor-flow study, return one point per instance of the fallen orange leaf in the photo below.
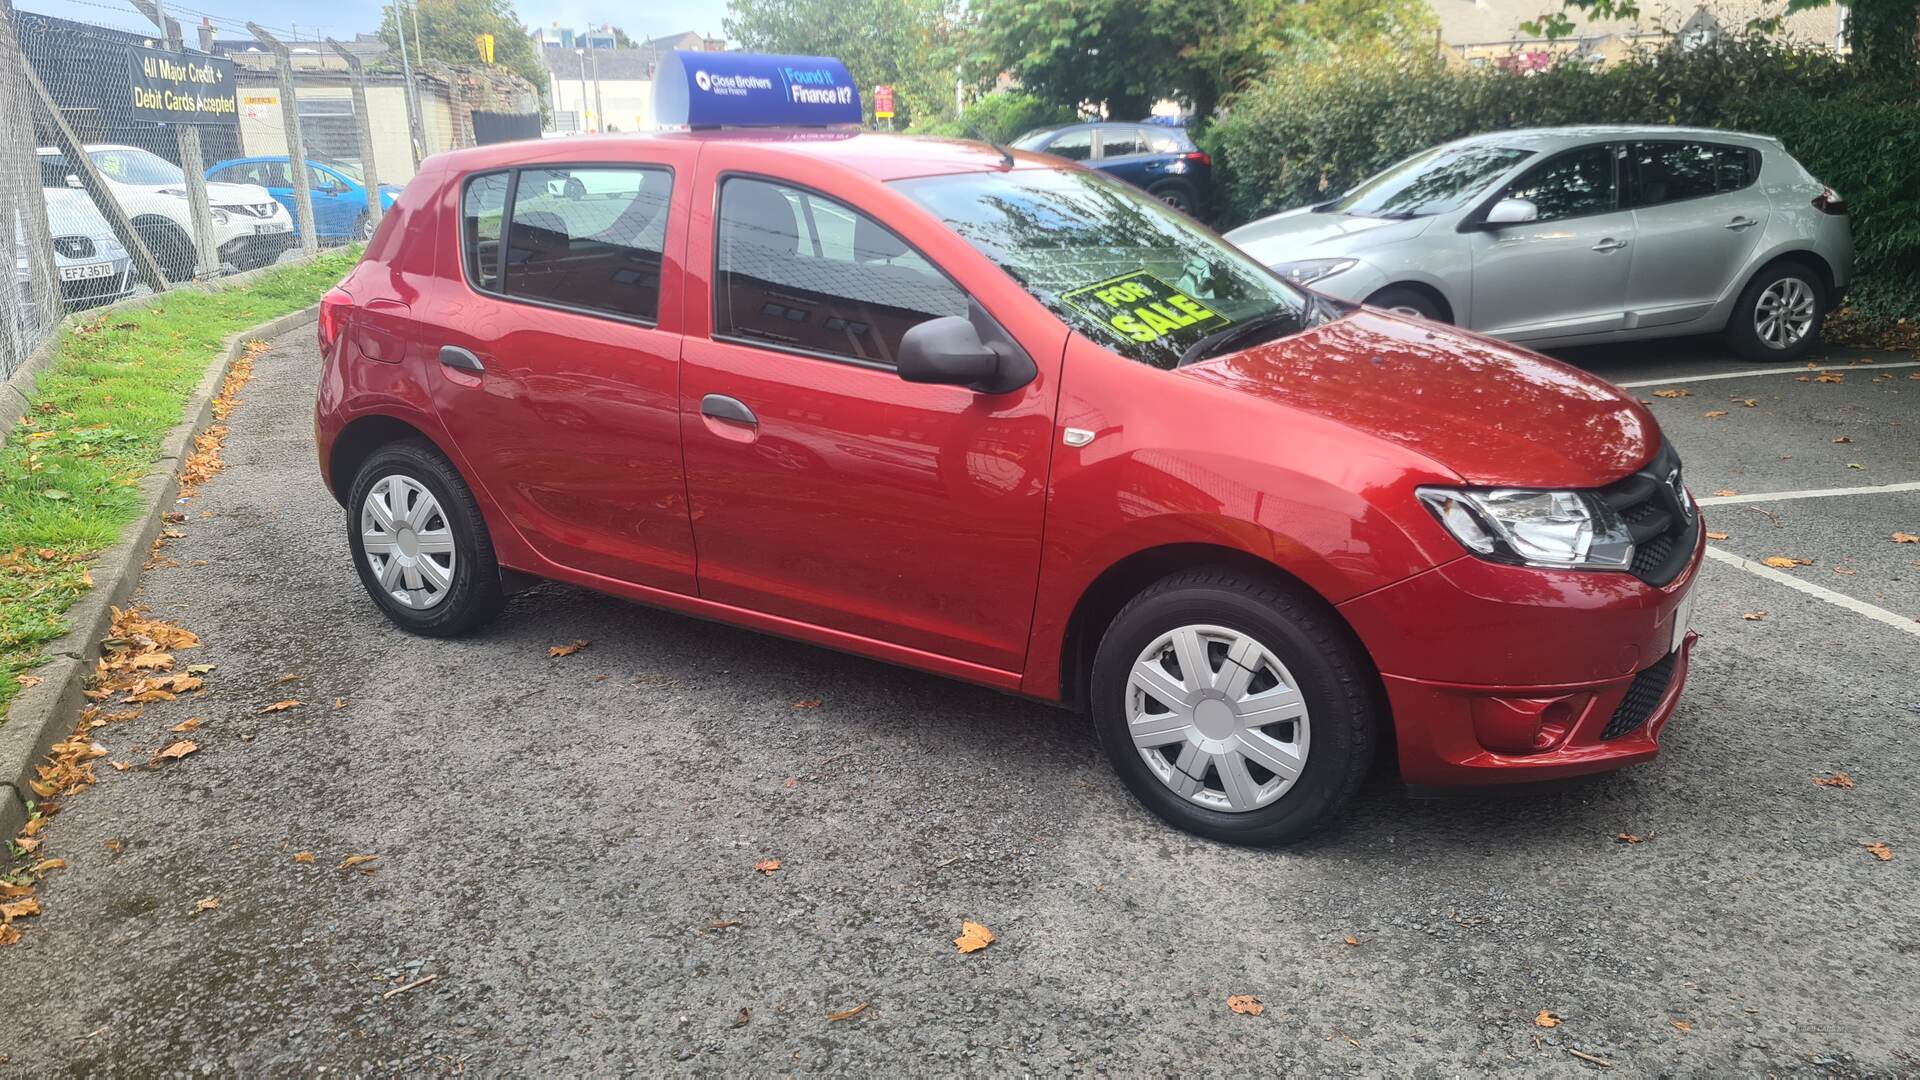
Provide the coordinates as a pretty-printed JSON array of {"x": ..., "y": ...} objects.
[
  {"x": 9, "y": 935},
  {"x": 208, "y": 904},
  {"x": 1843, "y": 439},
  {"x": 1878, "y": 850},
  {"x": 1785, "y": 562},
  {"x": 177, "y": 750},
  {"x": 848, "y": 1014},
  {"x": 1245, "y": 1004},
  {"x": 1629, "y": 838},
  {"x": 185, "y": 726},
  {"x": 807, "y": 703},
  {"x": 1715, "y": 413},
  {"x": 1680, "y": 1025},
  {"x": 767, "y": 866},
  {"x": 11, "y": 891},
  {"x": 973, "y": 937},
  {"x": 1351, "y": 940},
  {"x": 281, "y": 706},
  {"x": 357, "y": 860},
  {"x": 1754, "y": 616},
  {"x": 1838, "y": 779},
  {"x": 45, "y": 865},
  {"x": 1906, "y": 538},
  {"x": 567, "y": 650},
  {"x": 303, "y": 856},
  {"x": 1715, "y": 535},
  {"x": 1676, "y": 393},
  {"x": 20, "y": 909},
  {"x": 1546, "y": 1019},
  {"x": 1725, "y": 493}
]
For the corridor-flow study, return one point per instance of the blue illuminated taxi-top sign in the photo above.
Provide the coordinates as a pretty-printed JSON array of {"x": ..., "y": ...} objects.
[{"x": 731, "y": 89}]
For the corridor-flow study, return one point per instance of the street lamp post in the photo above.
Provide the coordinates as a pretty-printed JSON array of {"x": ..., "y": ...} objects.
[{"x": 582, "y": 55}]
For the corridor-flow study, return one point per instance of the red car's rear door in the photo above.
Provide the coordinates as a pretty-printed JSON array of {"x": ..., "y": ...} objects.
[
  {"x": 824, "y": 488},
  {"x": 558, "y": 358}
]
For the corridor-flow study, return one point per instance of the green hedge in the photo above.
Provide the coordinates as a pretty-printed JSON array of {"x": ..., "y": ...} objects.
[
  {"x": 1309, "y": 132},
  {"x": 999, "y": 118}
]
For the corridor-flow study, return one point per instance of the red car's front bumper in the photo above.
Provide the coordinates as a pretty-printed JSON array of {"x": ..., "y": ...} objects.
[{"x": 1503, "y": 674}]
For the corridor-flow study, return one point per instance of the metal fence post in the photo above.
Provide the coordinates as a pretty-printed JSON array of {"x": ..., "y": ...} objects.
[
  {"x": 30, "y": 302},
  {"x": 416, "y": 127},
  {"x": 296, "y": 146},
  {"x": 364, "y": 121},
  {"x": 192, "y": 164}
]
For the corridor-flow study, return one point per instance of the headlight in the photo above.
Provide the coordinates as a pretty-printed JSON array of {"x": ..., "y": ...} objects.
[
  {"x": 1308, "y": 271},
  {"x": 219, "y": 217},
  {"x": 178, "y": 193},
  {"x": 1559, "y": 529}
]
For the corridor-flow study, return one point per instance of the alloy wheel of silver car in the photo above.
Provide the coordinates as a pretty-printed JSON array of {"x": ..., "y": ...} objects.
[
  {"x": 1217, "y": 718},
  {"x": 1784, "y": 313},
  {"x": 408, "y": 541}
]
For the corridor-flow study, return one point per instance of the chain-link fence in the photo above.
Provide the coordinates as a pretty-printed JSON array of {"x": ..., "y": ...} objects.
[{"x": 133, "y": 162}]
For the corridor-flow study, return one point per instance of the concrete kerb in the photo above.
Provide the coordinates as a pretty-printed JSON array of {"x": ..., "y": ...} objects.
[
  {"x": 18, "y": 395},
  {"x": 43, "y": 714}
]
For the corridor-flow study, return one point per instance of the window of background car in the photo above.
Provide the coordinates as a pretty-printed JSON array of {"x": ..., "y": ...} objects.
[
  {"x": 1073, "y": 145},
  {"x": 589, "y": 238},
  {"x": 54, "y": 171},
  {"x": 1436, "y": 182},
  {"x": 320, "y": 179},
  {"x": 481, "y": 208},
  {"x": 1671, "y": 171},
  {"x": 1166, "y": 141},
  {"x": 1573, "y": 184},
  {"x": 801, "y": 271},
  {"x": 1110, "y": 260},
  {"x": 1120, "y": 141},
  {"x": 137, "y": 167}
]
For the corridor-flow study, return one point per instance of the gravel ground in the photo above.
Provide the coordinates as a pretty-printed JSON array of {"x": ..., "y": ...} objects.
[{"x": 567, "y": 845}]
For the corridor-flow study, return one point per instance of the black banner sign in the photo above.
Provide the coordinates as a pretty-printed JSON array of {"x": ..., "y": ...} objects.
[{"x": 181, "y": 88}]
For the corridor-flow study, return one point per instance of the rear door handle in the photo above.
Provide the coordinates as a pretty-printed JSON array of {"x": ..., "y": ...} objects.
[
  {"x": 1741, "y": 223},
  {"x": 462, "y": 359},
  {"x": 1609, "y": 244},
  {"x": 722, "y": 407}
]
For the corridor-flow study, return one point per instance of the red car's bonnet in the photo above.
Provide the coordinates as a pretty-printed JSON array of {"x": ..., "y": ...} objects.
[{"x": 1494, "y": 413}]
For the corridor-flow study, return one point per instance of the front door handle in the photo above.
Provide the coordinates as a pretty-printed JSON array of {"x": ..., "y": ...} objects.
[
  {"x": 722, "y": 407},
  {"x": 461, "y": 359},
  {"x": 1609, "y": 244},
  {"x": 1741, "y": 223}
]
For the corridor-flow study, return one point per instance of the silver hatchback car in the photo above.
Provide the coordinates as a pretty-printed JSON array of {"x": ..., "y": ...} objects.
[{"x": 1566, "y": 236}]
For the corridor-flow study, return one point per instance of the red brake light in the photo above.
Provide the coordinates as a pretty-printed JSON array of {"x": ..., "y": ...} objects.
[
  {"x": 1829, "y": 202},
  {"x": 333, "y": 312},
  {"x": 1201, "y": 157}
]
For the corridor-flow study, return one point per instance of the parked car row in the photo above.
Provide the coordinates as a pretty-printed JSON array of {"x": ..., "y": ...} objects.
[{"x": 1157, "y": 158}]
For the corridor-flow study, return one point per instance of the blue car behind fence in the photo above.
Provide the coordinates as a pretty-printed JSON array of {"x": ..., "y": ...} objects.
[
  {"x": 339, "y": 192},
  {"x": 1156, "y": 157}
]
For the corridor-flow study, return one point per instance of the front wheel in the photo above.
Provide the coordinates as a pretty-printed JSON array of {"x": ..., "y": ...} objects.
[
  {"x": 1174, "y": 194},
  {"x": 170, "y": 246},
  {"x": 1779, "y": 314},
  {"x": 1411, "y": 302},
  {"x": 1234, "y": 709},
  {"x": 420, "y": 544}
]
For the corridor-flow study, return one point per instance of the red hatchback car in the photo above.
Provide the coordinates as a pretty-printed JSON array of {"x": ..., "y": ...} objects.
[{"x": 998, "y": 417}]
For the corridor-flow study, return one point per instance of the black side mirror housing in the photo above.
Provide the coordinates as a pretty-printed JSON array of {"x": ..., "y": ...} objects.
[{"x": 971, "y": 351}]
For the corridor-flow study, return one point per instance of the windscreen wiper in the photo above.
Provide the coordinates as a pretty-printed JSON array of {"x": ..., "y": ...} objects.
[{"x": 1221, "y": 340}]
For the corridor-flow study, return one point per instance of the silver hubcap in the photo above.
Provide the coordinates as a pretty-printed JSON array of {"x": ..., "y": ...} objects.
[
  {"x": 1218, "y": 718},
  {"x": 408, "y": 542},
  {"x": 1410, "y": 312},
  {"x": 1784, "y": 314}
]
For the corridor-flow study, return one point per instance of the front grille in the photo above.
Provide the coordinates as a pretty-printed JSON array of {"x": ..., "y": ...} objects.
[
  {"x": 1652, "y": 504},
  {"x": 1642, "y": 698},
  {"x": 73, "y": 247},
  {"x": 259, "y": 210}
]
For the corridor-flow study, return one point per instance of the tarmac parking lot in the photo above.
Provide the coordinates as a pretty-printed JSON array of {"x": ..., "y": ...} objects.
[{"x": 567, "y": 845}]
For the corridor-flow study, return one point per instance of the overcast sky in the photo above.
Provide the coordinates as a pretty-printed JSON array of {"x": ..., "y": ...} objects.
[{"x": 344, "y": 18}]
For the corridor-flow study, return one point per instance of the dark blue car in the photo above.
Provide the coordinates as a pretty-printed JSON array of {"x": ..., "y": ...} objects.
[{"x": 1150, "y": 155}]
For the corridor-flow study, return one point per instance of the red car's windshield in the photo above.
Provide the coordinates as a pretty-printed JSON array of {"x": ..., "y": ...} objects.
[{"x": 1114, "y": 263}]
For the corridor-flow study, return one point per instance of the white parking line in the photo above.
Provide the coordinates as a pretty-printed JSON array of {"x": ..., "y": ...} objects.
[
  {"x": 1858, "y": 607},
  {"x": 1809, "y": 493},
  {"x": 1802, "y": 370}
]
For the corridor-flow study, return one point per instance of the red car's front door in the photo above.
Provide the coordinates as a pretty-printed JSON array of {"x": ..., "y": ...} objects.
[
  {"x": 554, "y": 360},
  {"x": 823, "y": 488}
]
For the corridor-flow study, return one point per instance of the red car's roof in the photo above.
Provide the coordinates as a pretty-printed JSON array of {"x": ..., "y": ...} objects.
[{"x": 881, "y": 156}]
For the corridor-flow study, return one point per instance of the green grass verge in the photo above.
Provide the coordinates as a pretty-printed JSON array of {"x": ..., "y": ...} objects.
[{"x": 70, "y": 473}]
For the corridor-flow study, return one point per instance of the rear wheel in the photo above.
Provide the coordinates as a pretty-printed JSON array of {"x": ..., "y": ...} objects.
[
  {"x": 1233, "y": 708},
  {"x": 171, "y": 248},
  {"x": 419, "y": 542},
  {"x": 364, "y": 228},
  {"x": 1402, "y": 300},
  {"x": 1174, "y": 194},
  {"x": 1779, "y": 313}
]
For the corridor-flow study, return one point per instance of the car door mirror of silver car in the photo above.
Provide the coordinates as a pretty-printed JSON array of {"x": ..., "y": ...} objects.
[
  {"x": 971, "y": 351},
  {"x": 73, "y": 180},
  {"x": 1512, "y": 212}
]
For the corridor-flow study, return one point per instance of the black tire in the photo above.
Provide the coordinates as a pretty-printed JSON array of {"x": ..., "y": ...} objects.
[
  {"x": 1335, "y": 682},
  {"x": 475, "y": 594},
  {"x": 1743, "y": 333},
  {"x": 1407, "y": 301},
  {"x": 171, "y": 248},
  {"x": 1175, "y": 194}
]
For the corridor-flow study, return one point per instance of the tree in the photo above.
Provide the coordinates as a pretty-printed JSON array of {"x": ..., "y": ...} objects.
[
  {"x": 901, "y": 43},
  {"x": 1127, "y": 55},
  {"x": 447, "y": 29},
  {"x": 1883, "y": 34}
]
